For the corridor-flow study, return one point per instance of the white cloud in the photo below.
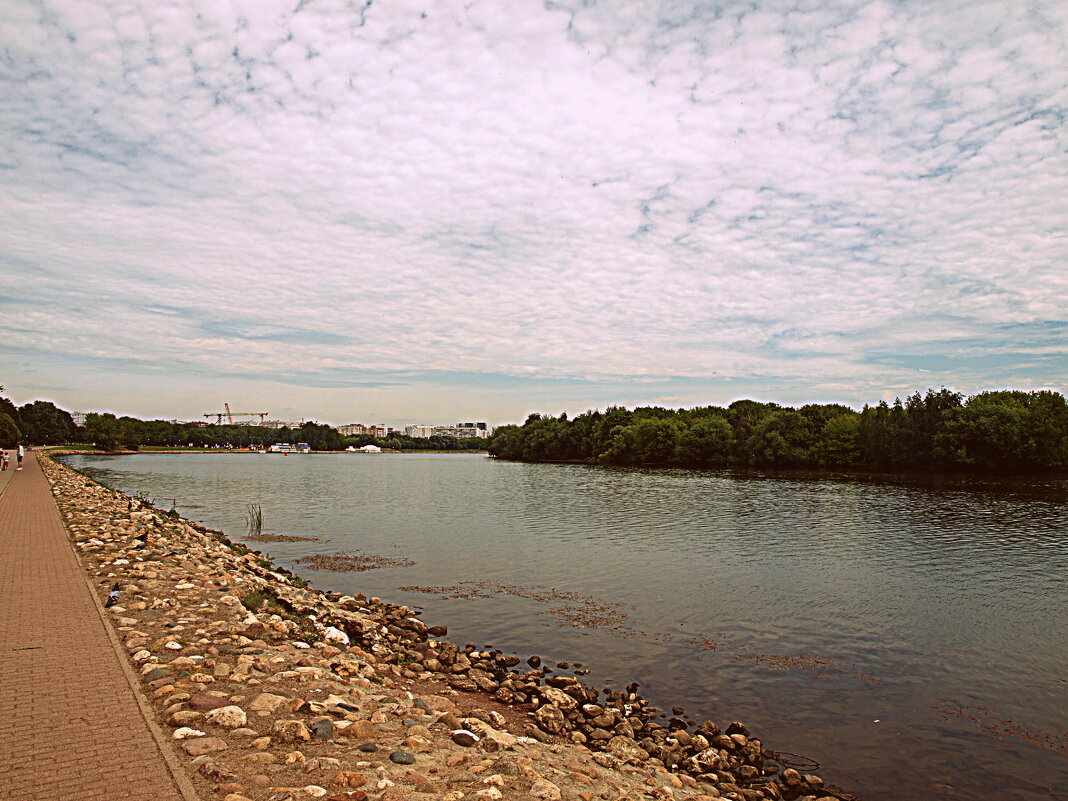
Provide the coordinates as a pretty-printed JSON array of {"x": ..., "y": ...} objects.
[{"x": 756, "y": 201}]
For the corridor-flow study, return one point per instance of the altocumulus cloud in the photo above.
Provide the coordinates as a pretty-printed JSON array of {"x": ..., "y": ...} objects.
[{"x": 811, "y": 200}]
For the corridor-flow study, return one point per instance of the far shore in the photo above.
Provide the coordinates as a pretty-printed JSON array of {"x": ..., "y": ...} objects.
[{"x": 59, "y": 450}]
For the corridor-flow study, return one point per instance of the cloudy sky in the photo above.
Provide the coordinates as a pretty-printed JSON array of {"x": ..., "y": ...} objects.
[{"x": 429, "y": 211}]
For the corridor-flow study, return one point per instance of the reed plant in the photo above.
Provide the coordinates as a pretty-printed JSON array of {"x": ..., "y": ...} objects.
[{"x": 254, "y": 518}]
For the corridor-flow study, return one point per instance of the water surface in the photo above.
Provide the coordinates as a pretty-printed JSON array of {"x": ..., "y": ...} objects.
[{"x": 910, "y": 634}]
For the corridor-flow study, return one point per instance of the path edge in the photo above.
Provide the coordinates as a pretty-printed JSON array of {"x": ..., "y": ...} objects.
[{"x": 177, "y": 771}]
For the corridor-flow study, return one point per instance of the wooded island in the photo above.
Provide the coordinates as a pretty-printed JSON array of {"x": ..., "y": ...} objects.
[{"x": 1008, "y": 431}]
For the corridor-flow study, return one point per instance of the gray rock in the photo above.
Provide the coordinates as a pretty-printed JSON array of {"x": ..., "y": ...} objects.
[
  {"x": 184, "y": 717},
  {"x": 545, "y": 789},
  {"x": 505, "y": 767},
  {"x": 558, "y": 698},
  {"x": 551, "y": 719},
  {"x": 291, "y": 731},
  {"x": 402, "y": 758},
  {"x": 322, "y": 729},
  {"x": 462, "y": 777},
  {"x": 626, "y": 747},
  {"x": 463, "y": 684},
  {"x": 199, "y": 746}
]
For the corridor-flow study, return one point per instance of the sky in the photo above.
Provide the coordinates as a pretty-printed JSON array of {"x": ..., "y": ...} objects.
[{"x": 399, "y": 211}]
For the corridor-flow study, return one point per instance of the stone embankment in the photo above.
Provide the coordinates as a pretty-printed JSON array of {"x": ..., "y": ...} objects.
[{"x": 277, "y": 692}]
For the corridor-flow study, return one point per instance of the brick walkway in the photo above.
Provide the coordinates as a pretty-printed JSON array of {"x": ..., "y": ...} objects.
[{"x": 71, "y": 727}]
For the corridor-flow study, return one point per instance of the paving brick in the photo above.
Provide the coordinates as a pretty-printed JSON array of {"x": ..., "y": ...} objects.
[{"x": 63, "y": 694}]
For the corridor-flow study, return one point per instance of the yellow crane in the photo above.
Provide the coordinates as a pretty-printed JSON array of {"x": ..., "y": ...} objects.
[{"x": 229, "y": 415}]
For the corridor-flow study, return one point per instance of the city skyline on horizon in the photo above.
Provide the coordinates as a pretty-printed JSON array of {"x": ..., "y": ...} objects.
[{"x": 479, "y": 211}]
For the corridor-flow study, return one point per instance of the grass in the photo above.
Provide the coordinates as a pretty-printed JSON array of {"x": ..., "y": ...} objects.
[
  {"x": 255, "y": 601},
  {"x": 262, "y": 601}
]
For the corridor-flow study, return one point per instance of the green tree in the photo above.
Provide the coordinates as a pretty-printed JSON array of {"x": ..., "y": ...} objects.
[
  {"x": 46, "y": 424},
  {"x": 745, "y": 416},
  {"x": 1004, "y": 430},
  {"x": 507, "y": 442},
  {"x": 783, "y": 439},
  {"x": 8, "y": 408},
  {"x": 9, "y": 432},
  {"x": 604, "y": 430},
  {"x": 706, "y": 443},
  {"x": 839, "y": 441},
  {"x": 621, "y": 447},
  {"x": 320, "y": 437},
  {"x": 656, "y": 440},
  {"x": 130, "y": 433},
  {"x": 547, "y": 439},
  {"x": 103, "y": 430},
  {"x": 1008, "y": 430}
]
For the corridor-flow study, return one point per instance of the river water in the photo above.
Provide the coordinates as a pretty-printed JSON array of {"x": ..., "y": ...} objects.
[{"x": 910, "y": 634}]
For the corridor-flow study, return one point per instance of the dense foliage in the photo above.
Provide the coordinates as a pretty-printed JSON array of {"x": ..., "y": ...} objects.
[
  {"x": 43, "y": 423},
  {"x": 1014, "y": 431},
  {"x": 9, "y": 431}
]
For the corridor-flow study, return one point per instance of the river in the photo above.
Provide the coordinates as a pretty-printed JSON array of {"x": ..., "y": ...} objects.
[{"x": 908, "y": 633}]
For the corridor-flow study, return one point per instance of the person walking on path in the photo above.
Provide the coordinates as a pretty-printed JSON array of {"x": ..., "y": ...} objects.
[
  {"x": 4, "y": 460},
  {"x": 18, "y": 455}
]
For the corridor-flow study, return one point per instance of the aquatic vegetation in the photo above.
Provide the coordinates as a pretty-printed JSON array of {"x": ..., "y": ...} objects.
[
  {"x": 254, "y": 519},
  {"x": 990, "y": 722},
  {"x": 578, "y": 611},
  {"x": 355, "y": 562},
  {"x": 281, "y": 538}
]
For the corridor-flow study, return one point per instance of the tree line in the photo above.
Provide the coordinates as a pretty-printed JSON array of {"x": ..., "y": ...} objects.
[
  {"x": 43, "y": 423},
  {"x": 1009, "y": 430},
  {"x": 40, "y": 423}
]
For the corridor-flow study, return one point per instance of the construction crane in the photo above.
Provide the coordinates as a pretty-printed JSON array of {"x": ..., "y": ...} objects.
[{"x": 229, "y": 415}]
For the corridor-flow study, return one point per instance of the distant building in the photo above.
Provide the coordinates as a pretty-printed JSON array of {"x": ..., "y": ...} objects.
[
  {"x": 459, "y": 430},
  {"x": 359, "y": 430},
  {"x": 419, "y": 431},
  {"x": 479, "y": 429}
]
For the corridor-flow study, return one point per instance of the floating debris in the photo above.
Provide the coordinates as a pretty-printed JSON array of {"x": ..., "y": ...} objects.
[
  {"x": 821, "y": 667},
  {"x": 355, "y": 562},
  {"x": 281, "y": 538},
  {"x": 578, "y": 611},
  {"x": 703, "y": 643},
  {"x": 999, "y": 727}
]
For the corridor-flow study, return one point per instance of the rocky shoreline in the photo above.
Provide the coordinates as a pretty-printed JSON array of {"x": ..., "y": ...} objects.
[{"x": 276, "y": 691}]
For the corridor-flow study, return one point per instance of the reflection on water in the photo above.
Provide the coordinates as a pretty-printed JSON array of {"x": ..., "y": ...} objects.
[{"x": 861, "y": 620}]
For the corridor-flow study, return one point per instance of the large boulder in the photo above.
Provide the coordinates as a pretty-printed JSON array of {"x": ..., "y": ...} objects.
[
  {"x": 267, "y": 702},
  {"x": 229, "y": 717},
  {"x": 550, "y": 719}
]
